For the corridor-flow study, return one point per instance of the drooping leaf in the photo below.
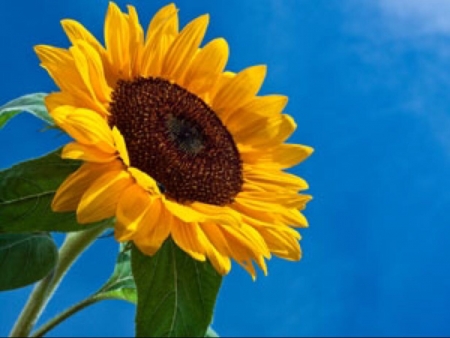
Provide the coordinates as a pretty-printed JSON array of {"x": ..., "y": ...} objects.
[
  {"x": 176, "y": 294},
  {"x": 31, "y": 103},
  {"x": 25, "y": 259},
  {"x": 26, "y": 192},
  {"x": 121, "y": 283}
]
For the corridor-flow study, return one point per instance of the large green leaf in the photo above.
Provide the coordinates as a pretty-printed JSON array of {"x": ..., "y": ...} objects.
[
  {"x": 176, "y": 294},
  {"x": 26, "y": 191},
  {"x": 25, "y": 259},
  {"x": 121, "y": 284},
  {"x": 31, "y": 103}
]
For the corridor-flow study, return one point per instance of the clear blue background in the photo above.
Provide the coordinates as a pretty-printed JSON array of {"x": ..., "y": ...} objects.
[{"x": 369, "y": 85}]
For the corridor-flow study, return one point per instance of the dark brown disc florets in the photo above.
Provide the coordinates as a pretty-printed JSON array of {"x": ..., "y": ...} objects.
[{"x": 175, "y": 137}]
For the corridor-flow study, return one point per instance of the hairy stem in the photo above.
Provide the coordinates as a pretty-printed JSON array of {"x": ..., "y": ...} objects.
[
  {"x": 74, "y": 244},
  {"x": 66, "y": 314}
]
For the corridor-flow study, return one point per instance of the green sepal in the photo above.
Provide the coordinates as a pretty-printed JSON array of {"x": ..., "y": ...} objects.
[
  {"x": 31, "y": 103},
  {"x": 25, "y": 259},
  {"x": 26, "y": 192},
  {"x": 176, "y": 293}
]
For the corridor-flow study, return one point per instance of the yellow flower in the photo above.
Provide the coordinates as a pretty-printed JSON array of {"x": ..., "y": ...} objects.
[{"x": 172, "y": 144}]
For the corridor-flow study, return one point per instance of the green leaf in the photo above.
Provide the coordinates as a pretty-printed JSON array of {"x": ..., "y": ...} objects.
[
  {"x": 31, "y": 103},
  {"x": 25, "y": 259},
  {"x": 176, "y": 294},
  {"x": 211, "y": 333},
  {"x": 26, "y": 191},
  {"x": 121, "y": 284}
]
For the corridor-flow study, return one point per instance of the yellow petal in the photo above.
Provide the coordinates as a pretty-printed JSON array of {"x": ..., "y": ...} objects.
[
  {"x": 198, "y": 212},
  {"x": 220, "y": 261},
  {"x": 136, "y": 41},
  {"x": 183, "y": 212},
  {"x": 54, "y": 100},
  {"x": 90, "y": 67},
  {"x": 131, "y": 209},
  {"x": 248, "y": 266},
  {"x": 76, "y": 31},
  {"x": 185, "y": 235},
  {"x": 287, "y": 155},
  {"x": 69, "y": 194},
  {"x": 258, "y": 107},
  {"x": 184, "y": 47},
  {"x": 156, "y": 227},
  {"x": 264, "y": 200},
  {"x": 60, "y": 65},
  {"x": 56, "y": 61},
  {"x": 282, "y": 243},
  {"x": 249, "y": 238},
  {"x": 166, "y": 16},
  {"x": 119, "y": 141},
  {"x": 145, "y": 181},
  {"x": 117, "y": 41},
  {"x": 243, "y": 245},
  {"x": 216, "y": 237},
  {"x": 294, "y": 217},
  {"x": 268, "y": 105},
  {"x": 282, "y": 156},
  {"x": 100, "y": 199},
  {"x": 266, "y": 132},
  {"x": 85, "y": 126},
  {"x": 246, "y": 123},
  {"x": 78, "y": 151},
  {"x": 275, "y": 215},
  {"x": 239, "y": 90},
  {"x": 255, "y": 216},
  {"x": 160, "y": 34},
  {"x": 274, "y": 178},
  {"x": 207, "y": 66},
  {"x": 154, "y": 52},
  {"x": 241, "y": 250}
]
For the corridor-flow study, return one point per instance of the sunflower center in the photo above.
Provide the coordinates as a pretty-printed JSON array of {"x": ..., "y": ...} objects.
[{"x": 173, "y": 136}]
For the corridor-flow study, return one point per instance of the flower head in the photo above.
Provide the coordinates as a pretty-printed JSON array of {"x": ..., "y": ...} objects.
[{"x": 173, "y": 145}]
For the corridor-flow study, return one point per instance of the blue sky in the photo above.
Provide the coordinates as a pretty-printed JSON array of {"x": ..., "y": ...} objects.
[{"x": 368, "y": 83}]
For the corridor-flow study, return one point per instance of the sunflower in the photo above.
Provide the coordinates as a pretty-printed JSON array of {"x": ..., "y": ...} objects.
[{"x": 172, "y": 144}]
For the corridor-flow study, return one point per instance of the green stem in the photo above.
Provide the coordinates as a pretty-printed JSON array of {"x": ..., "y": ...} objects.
[
  {"x": 66, "y": 314},
  {"x": 74, "y": 244}
]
